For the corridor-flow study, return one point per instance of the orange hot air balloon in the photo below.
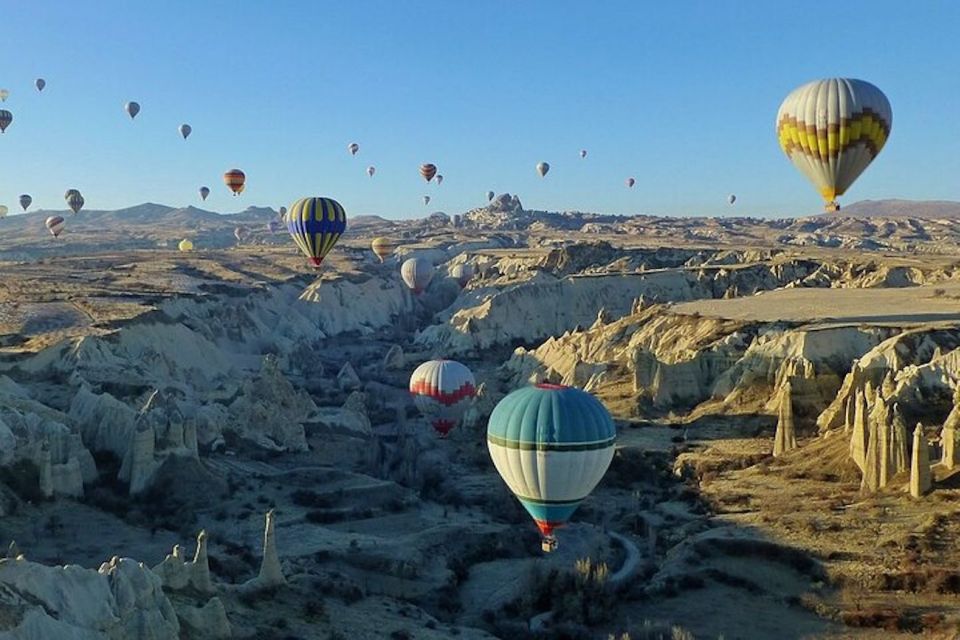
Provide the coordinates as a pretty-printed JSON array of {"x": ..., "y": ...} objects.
[
  {"x": 428, "y": 171},
  {"x": 235, "y": 179}
]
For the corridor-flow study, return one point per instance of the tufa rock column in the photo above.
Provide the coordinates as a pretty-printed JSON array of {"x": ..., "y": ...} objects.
[
  {"x": 920, "y": 464},
  {"x": 270, "y": 572},
  {"x": 785, "y": 438}
]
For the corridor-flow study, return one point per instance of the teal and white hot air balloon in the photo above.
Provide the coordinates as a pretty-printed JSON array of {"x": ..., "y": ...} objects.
[{"x": 551, "y": 444}]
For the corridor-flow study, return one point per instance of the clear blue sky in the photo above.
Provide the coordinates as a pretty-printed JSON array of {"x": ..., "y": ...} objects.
[{"x": 681, "y": 95}]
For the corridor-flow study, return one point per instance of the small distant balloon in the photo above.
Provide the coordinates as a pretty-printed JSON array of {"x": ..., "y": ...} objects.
[
  {"x": 371, "y": 170},
  {"x": 417, "y": 274},
  {"x": 383, "y": 247},
  {"x": 5, "y": 119},
  {"x": 75, "y": 202},
  {"x": 543, "y": 168},
  {"x": 54, "y": 225},
  {"x": 4, "y": 94},
  {"x": 132, "y": 109},
  {"x": 234, "y": 179},
  {"x": 353, "y": 147},
  {"x": 490, "y": 195},
  {"x": 439, "y": 179},
  {"x": 185, "y": 130},
  {"x": 583, "y": 153},
  {"x": 26, "y": 201},
  {"x": 69, "y": 193},
  {"x": 283, "y": 211},
  {"x": 426, "y": 200},
  {"x": 185, "y": 245},
  {"x": 204, "y": 192},
  {"x": 631, "y": 182},
  {"x": 40, "y": 84},
  {"x": 428, "y": 170},
  {"x": 731, "y": 198},
  {"x": 4, "y": 211}
]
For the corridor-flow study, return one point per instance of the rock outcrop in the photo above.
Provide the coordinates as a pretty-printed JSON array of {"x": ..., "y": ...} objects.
[
  {"x": 178, "y": 573},
  {"x": 920, "y": 479},
  {"x": 785, "y": 438},
  {"x": 270, "y": 411}
]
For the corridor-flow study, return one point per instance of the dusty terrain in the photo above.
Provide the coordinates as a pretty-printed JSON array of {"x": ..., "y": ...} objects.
[{"x": 147, "y": 395}]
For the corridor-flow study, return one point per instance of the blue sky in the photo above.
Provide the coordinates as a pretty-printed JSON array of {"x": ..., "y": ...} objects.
[{"x": 681, "y": 95}]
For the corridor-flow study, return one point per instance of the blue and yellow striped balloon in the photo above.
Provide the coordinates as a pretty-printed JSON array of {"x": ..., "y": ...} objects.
[
  {"x": 315, "y": 224},
  {"x": 551, "y": 444}
]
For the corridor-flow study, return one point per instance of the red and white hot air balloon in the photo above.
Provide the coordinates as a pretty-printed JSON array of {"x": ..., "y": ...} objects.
[
  {"x": 442, "y": 391},
  {"x": 54, "y": 225},
  {"x": 427, "y": 171}
]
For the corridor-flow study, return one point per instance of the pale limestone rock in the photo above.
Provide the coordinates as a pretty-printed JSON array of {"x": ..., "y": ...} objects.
[
  {"x": 876, "y": 424},
  {"x": 347, "y": 378},
  {"x": 271, "y": 574},
  {"x": 785, "y": 438},
  {"x": 948, "y": 436},
  {"x": 858, "y": 441},
  {"x": 897, "y": 452},
  {"x": 176, "y": 573},
  {"x": 105, "y": 423},
  {"x": 270, "y": 411},
  {"x": 139, "y": 464},
  {"x": 394, "y": 360},
  {"x": 920, "y": 481}
]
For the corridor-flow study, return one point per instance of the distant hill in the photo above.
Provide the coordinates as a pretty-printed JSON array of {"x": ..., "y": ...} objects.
[{"x": 900, "y": 209}]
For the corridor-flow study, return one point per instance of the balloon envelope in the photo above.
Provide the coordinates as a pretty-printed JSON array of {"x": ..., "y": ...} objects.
[
  {"x": 490, "y": 195},
  {"x": 5, "y": 119},
  {"x": 371, "y": 170},
  {"x": 185, "y": 245},
  {"x": 832, "y": 129},
  {"x": 185, "y": 130},
  {"x": 383, "y": 247},
  {"x": 731, "y": 198},
  {"x": 234, "y": 179},
  {"x": 439, "y": 179},
  {"x": 631, "y": 182},
  {"x": 4, "y": 211},
  {"x": 543, "y": 168},
  {"x": 353, "y": 147},
  {"x": 204, "y": 192},
  {"x": 442, "y": 391},
  {"x": 54, "y": 225},
  {"x": 4, "y": 94},
  {"x": 40, "y": 84},
  {"x": 551, "y": 445},
  {"x": 417, "y": 274},
  {"x": 426, "y": 200},
  {"x": 75, "y": 202},
  {"x": 26, "y": 201},
  {"x": 315, "y": 224},
  {"x": 583, "y": 153},
  {"x": 427, "y": 171},
  {"x": 132, "y": 109},
  {"x": 70, "y": 192}
]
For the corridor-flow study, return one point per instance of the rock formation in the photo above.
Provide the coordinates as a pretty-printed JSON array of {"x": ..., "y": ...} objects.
[
  {"x": 860, "y": 430},
  {"x": 394, "y": 360},
  {"x": 785, "y": 438},
  {"x": 177, "y": 573},
  {"x": 347, "y": 378},
  {"x": 920, "y": 481},
  {"x": 271, "y": 574},
  {"x": 270, "y": 411},
  {"x": 948, "y": 436}
]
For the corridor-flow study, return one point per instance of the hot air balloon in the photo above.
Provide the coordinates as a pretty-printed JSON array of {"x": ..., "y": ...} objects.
[
  {"x": 831, "y": 130},
  {"x": 204, "y": 192},
  {"x": 383, "y": 247},
  {"x": 442, "y": 391},
  {"x": 490, "y": 195},
  {"x": 428, "y": 171},
  {"x": 185, "y": 130},
  {"x": 25, "y": 201},
  {"x": 439, "y": 179},
  {"x": 371, "y": 170},
  {"x": 4, "y": 94},
  {"x": 185, "y": 245},
  {"x": 583, "y": 153},
  {"x": 417, "y": 274},
  {"x": 353, "y": 147},
  {"x": 543, "y": 168},
  {"x": 75, "y": 202},
  {"x": 731, "y": 199},
  {"x": 69, "y": 193},
  {"x": 132, "y": 109},
  {"x": 283, "y": 212},
  {"x": 315, "y": 225},
  {"x": 426, "y": 200},
  {"x": 631, "y": 182},
  {"x": 462, "y": 273},
  {"x": 5, "y": 119},
  {"x": 54, "y": 225},
  {"x": 40, "y": 84},
  {"x": 551, "y": 445},
  {"x": 234, "y": 179},
  {"x": 4, "y": 211}
]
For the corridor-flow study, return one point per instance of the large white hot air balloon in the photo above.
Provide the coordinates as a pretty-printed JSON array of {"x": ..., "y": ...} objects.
[
  {"x": 417, "y": 274},
  {"x": 442, "y": 391},
  {"x": 832, "y": 130}
]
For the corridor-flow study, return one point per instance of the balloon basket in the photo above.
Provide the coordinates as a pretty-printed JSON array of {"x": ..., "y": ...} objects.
[
  {"x": 832, "y": 206},
  {"x": 548, "y": 544}
]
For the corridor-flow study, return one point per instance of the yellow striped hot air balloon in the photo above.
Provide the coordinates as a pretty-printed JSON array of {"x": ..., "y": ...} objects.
[
  {"x": 235, "y": 179},
  {"x": 315, "y": 224},
  {"x": 185, "y": 245},
  {"x": 831, "y": 130},
  {"x": 383, "y": 247}
]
